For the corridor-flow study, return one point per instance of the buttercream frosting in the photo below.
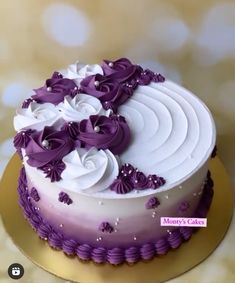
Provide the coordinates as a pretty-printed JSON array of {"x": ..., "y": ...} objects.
[
  {"x": 78, "y": 71},
  {"x": 55, "y": 89},
  {"x": 80, "y": 107},
  {"x": 89, "y": 171},
  {"x": 100, "y": 254},
  {"x": 36, "y": 116}
]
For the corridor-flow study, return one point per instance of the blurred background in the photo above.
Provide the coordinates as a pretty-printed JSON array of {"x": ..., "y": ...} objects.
[{"x": 190, "y": 42}]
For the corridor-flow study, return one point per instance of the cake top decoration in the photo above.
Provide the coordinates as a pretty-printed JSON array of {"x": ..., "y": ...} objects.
[{"x": 75, "y": 115}]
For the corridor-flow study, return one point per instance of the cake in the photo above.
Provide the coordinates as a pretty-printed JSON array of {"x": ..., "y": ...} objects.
[{"x": 107, "y": 150}]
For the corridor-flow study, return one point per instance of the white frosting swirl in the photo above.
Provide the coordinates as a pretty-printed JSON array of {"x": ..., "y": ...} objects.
[
  {"x": 36, "y": 116},
  {"x": 89, "y": 171},
  {"x": 78, "y": 71},
  {"x": 81, "y": 107},
  {"x": 171, "y": 128}
]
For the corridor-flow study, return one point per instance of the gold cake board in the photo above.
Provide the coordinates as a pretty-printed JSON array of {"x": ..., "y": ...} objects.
[{"x": 160, "y": 269}]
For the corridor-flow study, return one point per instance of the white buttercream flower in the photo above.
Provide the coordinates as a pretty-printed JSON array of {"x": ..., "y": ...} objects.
[
  {"x": 78, "y": 71},
  {"x": 81, "y": 107},
  {"x": 89, "y": 171},
  {"x": 36, "y": 116}
]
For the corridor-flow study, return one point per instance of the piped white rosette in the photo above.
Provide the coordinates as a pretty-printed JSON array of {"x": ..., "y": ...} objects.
[
  {"x": 36, "y": 116},
  {"x": 89, "y": 171},
  {"x": 77, "y": 71},
  {"x": 81, "y": 107}
]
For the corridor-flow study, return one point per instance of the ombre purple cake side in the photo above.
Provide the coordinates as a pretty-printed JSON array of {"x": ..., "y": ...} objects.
[{"x": 116, "y": 255}]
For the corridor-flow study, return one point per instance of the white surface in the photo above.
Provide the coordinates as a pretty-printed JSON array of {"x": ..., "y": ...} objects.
[
  {"x": 79, "y": 71},
  {"x": 90, "y": 171},
  {"x": 36, "y": 116},
  {"x": 81, "y": 107}
]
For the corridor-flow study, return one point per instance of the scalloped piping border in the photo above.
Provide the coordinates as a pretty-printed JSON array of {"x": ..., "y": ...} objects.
[{"x": 116, "y": 255}]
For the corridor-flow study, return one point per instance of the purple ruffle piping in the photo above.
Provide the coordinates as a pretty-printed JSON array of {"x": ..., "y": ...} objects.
[{"x": 116, "y": 255}]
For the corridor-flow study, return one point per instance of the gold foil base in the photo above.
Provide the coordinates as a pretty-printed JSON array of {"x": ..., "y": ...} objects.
[{"x": 176, "y": 262}]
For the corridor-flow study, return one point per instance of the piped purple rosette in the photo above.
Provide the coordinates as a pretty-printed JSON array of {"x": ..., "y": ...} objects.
[
  {"x": 118, "y": 83},
  {"x": 55, "y": 89},
  {"x": 104, "y": 132},
  {"x": 45, "y": 150},
  {"x": 47, "y": 146},
  {"x": 115, "y": 255}
]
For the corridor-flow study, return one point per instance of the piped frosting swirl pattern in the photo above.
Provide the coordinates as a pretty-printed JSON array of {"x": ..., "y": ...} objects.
[{"x": 172, "y": 128}]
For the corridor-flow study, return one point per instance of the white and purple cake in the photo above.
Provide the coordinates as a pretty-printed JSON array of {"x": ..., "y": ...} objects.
[{"x": 107, "y": 151}]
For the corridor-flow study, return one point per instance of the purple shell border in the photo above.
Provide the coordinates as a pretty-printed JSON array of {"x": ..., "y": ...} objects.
[{"x": 114, "y": 256}]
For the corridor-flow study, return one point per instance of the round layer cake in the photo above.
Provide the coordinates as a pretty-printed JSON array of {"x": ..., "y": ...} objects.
[{"x": 107, "y": 151}]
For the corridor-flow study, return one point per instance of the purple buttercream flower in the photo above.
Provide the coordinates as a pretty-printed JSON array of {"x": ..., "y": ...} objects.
[
  {"x": 53, "y": 170},
  {"x": 139, "y": 180},
  {"x": 72, "y": 128},
  {"x": 105, "y": 133},
  {"x": 122, "y": 70},
  {"x": 110, "y": 67},
  {"x": 108, "y": 90},
  {"x": 184, "y": 206},
  {"x": 26, "y": 102},
  {"x": 55, "y": 89},
  {"x": 22, "y": 139},
  {"x": 63, "y": 197},
  {"x": 47, "y": 146},
  {"x": 154, "y": 181},
  {"x": 121, "y": 185},
  {"x": 105, "y": 227},
  {"x": 152, "y": 203},
  {"x": 34, "y": 194}
]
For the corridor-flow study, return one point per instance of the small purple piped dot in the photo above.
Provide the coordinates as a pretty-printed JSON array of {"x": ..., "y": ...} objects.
[
  {"x": 34, "y": 194},
  {"x": 63, "y": 197},
  {"x": 105, "y": 227},
  {"x": 152, "y": 203},
  {"x": 184, "y": 206}
]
